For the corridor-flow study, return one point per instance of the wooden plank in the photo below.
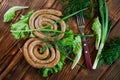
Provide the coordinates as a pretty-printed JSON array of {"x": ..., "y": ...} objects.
[
  {"x": 35, "y": 5},
  {"x": 114, "y": 9},
  {"x": 115, "y": 31},
  {"x": 32, "y": 74},
  {"x": 91, "y": 74},
  {"x": 5, "y": 62},
  {"x": 57, "y": 5},
  {"x": 112, "y": 73},
  {"x": 1, "y": 1},
  {"x": 14, "y": 61},
  {"x": 49, "y": 3},
  {"x": 19, "y": 70}
]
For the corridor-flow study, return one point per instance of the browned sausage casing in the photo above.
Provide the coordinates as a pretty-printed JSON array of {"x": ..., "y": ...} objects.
[
  {"x": 44, "y": 17},
  {"x": 49, "y": 58}
]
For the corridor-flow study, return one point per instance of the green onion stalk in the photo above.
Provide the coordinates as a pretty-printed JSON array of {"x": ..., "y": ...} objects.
[{"x": 103, "y": 9}]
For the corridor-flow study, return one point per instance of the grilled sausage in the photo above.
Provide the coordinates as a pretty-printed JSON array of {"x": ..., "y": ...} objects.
[
  {"x": 45, "y": 17},
  {"x": 49, "y": 58}
]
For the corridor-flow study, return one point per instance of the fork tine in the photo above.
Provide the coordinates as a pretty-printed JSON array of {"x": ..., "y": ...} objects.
[{"x": 80, "y": 19}]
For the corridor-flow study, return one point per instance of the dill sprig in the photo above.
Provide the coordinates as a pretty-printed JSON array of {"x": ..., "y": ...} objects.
[
  {"x": 75, "y": 5},
  {"x": 111, "y": 52}
]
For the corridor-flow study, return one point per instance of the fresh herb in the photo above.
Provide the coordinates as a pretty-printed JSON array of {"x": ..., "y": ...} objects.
[
  {"x": 103, "y": 9},
  {"x": 22, "y": 24},
  {"x": 10, "y": 14},
  {"x": 75, "y": 5},
  {"x": 45, "y": 48},
  {"x": 111, "y": 52},
  {"x": 96, "y": 27}
]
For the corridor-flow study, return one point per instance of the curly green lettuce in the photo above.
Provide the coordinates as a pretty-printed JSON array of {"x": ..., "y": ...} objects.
[
  {"x": 96, "y": 27},
  {"x": 77, "y": 50},
  {"x": 22, "y": 24},
  {"x": 68, "y": 38},
  {"x": 57, "y": 68},
  {"x": 10, "y": 14}
]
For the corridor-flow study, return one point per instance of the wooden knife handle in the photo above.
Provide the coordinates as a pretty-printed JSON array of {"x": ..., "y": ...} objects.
[{"x": 87, "y": 55}]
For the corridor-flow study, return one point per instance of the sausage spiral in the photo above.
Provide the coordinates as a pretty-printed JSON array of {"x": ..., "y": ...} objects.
[
  {"x": 44, "y": 17},
  {"x": 49, "y": 58}
]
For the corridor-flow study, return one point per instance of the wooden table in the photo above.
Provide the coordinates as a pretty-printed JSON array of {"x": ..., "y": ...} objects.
[{"x": 13, "y": 65}]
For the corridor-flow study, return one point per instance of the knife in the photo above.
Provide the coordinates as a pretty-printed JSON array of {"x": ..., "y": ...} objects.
[{"x": 81, "y": 27}]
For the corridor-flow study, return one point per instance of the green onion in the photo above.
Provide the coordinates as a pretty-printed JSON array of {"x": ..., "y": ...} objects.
[{"x": 103, "y": 9}]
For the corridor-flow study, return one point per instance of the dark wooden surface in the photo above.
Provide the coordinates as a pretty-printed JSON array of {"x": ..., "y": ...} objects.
[{"x": 13, "y": 65}]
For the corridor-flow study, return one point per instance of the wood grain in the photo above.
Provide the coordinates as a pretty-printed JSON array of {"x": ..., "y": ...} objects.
[
  {"x": 0, "y": 1},
  {"x": 114, "y": 9},
  {"x": 112, "y": 73},
  {"x": 13, "y": 65}
]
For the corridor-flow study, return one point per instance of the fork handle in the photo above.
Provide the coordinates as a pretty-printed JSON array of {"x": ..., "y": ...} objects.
[{"x": 87, "y": 55}]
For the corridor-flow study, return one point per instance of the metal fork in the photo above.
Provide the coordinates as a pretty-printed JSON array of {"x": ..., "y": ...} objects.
[{"x": 81, "y": 27}]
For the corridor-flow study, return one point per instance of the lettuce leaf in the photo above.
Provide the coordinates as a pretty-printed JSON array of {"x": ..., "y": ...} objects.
[
  {"x": 10, "y": 14},
  {"x": 57, "y": 68},
  {"x": 22, "y": 24},
  {"x": 77, "y": 50},
  {"x": 68, "y": 38},
  {"x": 96, "y": 27}
]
